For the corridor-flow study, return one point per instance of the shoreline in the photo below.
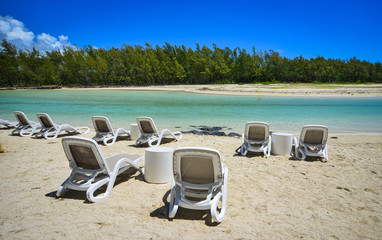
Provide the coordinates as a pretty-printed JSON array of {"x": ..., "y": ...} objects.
[{"x": 287, "y": 90}]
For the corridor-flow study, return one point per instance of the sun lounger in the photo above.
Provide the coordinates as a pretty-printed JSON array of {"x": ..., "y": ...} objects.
[
  {"x": 24, "y": 128},
  {"x": 312, "y": 142},
  {"x": 105, "y": 132},
  {"x": 7, "y": 124},
  {"x": 150, "y": 134},
  {"x": 200, "y": 182},
  {"x": 50, "y": 130},
  {"x": 91, "y": 170},
  {"x": 256, "y": 138}
]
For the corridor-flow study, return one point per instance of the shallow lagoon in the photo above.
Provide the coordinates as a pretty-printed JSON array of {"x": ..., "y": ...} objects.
[{"x": 181, "y": 110}]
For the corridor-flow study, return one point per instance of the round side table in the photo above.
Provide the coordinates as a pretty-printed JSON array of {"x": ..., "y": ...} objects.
[
  {"x": 134, "y": 132},
  {"x": 158, "y": 164},
  {"x": 281, "y": 143}
]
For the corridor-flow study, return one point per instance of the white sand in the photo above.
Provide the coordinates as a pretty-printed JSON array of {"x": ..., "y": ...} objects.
[
  {"x": 317, "y": 90},
  {"x": 275, "y": 198}
]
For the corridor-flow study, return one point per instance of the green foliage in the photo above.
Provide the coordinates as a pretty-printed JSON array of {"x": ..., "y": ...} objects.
[{"x": 162, "y": 65}]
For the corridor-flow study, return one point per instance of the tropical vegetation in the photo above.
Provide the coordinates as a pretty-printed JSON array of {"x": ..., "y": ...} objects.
[{"x": 166, "y": 65}]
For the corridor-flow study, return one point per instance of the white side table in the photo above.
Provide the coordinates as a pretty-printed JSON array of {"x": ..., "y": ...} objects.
[
  {"x": 282, "y": 143},
  {"x": 158, "y": 164},
  {"x": 134, "y": 132}
]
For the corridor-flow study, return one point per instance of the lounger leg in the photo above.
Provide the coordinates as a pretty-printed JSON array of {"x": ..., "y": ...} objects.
[
  {"x": 174, "y": 205},
  {"x": 269, "y": 146},
  {"x": 55, "y": 133},
  {"x": 27, "y": 132},
  {"x": 62, "y": 189},
  {"x": 326, "y": 156},
  {"x": 90, "y": 192},
  {"x": 113, "y": 139},
  {"x": 155, "y": 139},
  {"x": 109, "y": 181},
  {"x": 222, "y": 196},
  {"x": 298, "y": 150},
  {"x": 244, "y": 150}
]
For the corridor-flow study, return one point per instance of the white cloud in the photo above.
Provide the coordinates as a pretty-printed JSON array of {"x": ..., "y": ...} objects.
[
  {"x": 46, "y": 42},
  {"x": 14, "y": 32}
]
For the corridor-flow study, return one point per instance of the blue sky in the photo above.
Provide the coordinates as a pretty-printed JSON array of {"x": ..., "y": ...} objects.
[{"x": 332, "y": 29}]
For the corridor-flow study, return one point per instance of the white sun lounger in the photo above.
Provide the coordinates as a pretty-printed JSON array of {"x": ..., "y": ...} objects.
[
  {"x": 91, "y": 170},
  {"x": 105, "y": 132},
  {"x": 7, "y": 124},
  {"x": 24, "y": 128},
  {"x": 150, "y": 134},
  {"x": 256, "y": 138},
  {"x": 312, "y": 142},
  {"x": 50, "y": 130},
  {"x": 200, "y": 182}
]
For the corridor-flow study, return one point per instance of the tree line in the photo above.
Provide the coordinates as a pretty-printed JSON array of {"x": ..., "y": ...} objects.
[{"x": 166, "y": 65}]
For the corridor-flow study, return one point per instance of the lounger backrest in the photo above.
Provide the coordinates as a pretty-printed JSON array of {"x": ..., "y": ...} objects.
[
  {"x": 45, "y": 120},
  {"x": 146, "y": 125},
  {"x": 314, "y": 135},
  {"x": 256, "y": 131},
  {"x": 197, "y": 165},
  {"x": 102, "y": 124},
  {"x": 23, "y": 120},
  {"x": 83, "y": 153}
]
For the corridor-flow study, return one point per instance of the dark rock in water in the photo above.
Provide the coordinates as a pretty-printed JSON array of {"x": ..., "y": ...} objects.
[
  {"x": 229, "y": 128},
  {"x": 217, "y": 133},
  {"x": 188, "y": 132},
  {"x": 233, "y": 134},
  {"x": 177, "y": 127},
  {"x": 196, "y": 132},
  {"x": 205, "y": 128}
]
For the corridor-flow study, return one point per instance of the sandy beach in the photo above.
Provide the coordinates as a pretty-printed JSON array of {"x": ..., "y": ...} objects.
[
  {"x": 316, "y": 90},
  {"x": 275, "y": 198}
]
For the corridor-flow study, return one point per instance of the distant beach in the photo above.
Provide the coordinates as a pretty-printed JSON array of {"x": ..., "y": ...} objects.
[{"x": 293, "y": 89}]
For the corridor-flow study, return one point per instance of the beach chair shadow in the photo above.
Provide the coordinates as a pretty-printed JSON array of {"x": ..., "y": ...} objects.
[
  {"x": 146, "y": 144},
  {"x": 250, "y": 155}
]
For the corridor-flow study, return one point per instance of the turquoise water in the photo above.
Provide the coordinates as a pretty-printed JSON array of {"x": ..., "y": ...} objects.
[{"x": 177, "y": 109}]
